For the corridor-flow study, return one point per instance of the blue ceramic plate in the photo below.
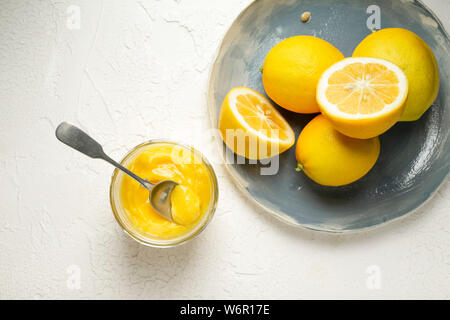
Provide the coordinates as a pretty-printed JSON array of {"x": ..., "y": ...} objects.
[{"x": 415, "y": 157}]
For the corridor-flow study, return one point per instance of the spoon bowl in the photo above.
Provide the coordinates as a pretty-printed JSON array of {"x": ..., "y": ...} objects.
[{"x": 160, "y": 198}]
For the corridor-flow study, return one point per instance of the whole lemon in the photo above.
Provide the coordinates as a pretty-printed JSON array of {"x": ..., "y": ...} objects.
[
  {"x": 408, "y": 51},
  {"x": 292, "y": 70},
  {"x": 331, "y": 158}
]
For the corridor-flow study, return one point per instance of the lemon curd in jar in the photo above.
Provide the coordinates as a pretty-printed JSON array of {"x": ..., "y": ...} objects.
[{"x": 191, "y": 199}]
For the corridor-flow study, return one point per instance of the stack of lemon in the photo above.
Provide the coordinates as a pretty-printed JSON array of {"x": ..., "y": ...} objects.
[{"x": 392, "y": 76}]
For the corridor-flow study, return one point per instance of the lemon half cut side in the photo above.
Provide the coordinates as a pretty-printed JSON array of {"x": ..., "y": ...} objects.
[
  {"x": 362, "y": 97},
  {"x": 252, "y": 127}
]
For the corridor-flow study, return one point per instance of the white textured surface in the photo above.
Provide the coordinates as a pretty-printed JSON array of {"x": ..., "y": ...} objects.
[{"x": 138, "y": 70}]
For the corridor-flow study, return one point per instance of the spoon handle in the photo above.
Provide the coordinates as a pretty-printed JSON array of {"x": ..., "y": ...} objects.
[{"x": 79, "y": 140}]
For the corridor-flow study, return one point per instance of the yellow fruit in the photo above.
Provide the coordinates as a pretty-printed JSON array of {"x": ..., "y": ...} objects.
[
  {"x": 251, "y": 126},
  {"x": 292, "y": 69},
  {"x": 405, "y": 49},
  {"x": 331, "y": 158},
  {"x": 362, "y": 97}
]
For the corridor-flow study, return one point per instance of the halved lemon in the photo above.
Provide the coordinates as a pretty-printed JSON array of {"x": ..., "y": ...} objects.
[
  {"x": 251, "y": 126},
  {"x": 362, "y": 97}
]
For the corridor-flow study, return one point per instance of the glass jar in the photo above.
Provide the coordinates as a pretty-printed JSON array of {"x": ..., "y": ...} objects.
[{"x": 122, "y": 216}]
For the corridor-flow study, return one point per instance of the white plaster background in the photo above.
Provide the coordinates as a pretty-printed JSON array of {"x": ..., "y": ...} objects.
[{"x": 138, "y": 70}]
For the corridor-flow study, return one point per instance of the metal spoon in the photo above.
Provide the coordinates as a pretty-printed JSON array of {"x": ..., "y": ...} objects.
[{"x": 79, "y": 140}]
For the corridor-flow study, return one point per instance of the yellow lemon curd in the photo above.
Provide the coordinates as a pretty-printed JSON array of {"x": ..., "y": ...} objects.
[{"x": 190, "y": 199}]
